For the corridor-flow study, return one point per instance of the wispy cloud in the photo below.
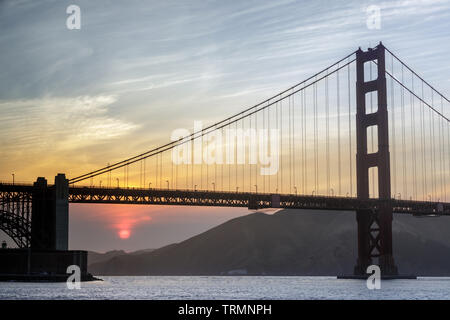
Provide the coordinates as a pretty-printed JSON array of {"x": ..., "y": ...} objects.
[{"x": 52, "y": 124}]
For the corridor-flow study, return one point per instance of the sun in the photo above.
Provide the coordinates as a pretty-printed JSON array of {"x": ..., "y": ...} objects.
[{"x": 124, "y": 234}]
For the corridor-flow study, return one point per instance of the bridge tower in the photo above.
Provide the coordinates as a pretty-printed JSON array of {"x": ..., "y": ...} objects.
[
  {"x": 50, "y": 218},
  {"x": 374, "y": 226}
]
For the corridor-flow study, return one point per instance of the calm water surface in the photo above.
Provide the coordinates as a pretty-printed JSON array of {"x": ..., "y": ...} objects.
[{"x": 230, "y": 288}]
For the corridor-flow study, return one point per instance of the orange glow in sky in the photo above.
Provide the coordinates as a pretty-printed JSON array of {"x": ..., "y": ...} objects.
[
  {"x": 126, "y": 220},
  {"x": 124, "y": 234},
  {"x": 104, "y": 227},
  {"x": 121, "y": 219}
]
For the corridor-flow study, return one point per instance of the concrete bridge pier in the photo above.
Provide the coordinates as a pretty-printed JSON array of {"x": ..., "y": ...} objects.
[{"x": 50, "y": 218}]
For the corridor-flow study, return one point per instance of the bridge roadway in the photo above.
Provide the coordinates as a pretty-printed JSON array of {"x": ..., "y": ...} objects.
[{"x": 80, "y": 194}]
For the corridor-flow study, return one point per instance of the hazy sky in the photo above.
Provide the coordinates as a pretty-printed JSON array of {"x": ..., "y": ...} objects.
[{"x": 73, "y": 100}]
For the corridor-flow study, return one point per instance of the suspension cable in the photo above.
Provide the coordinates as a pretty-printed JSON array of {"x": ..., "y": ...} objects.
[{"x": 217, "y": 125}]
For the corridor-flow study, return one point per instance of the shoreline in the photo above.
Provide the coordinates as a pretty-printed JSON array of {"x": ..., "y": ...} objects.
[{"x": 44, "y": 278}]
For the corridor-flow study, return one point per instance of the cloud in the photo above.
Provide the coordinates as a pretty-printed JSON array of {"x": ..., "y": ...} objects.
[{"x": 49, "y": 124}]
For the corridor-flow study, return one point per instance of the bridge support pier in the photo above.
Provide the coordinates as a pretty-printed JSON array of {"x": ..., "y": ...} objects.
[
  {"x": 50, "y": 215},
  {"x": 48, "y": 257},
  {"x": 374, "y": 226}
]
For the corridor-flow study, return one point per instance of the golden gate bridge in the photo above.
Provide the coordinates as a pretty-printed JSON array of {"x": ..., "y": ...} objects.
[{"x": 366, "y": 134}]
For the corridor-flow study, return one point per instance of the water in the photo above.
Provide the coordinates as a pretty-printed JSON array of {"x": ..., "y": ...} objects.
[{"x": 228, "y": 288}]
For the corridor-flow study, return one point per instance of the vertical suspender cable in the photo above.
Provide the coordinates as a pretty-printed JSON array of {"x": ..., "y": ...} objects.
[
  {"x": 250, "y": 167},
  {"x": 223, "y": 160},
  {"x": 424, "y": 178},
  {"x": 350, "y": 158},
  {"x": 291, "y": 139},
  {"x": 433, "y": 162},
  {"x": 338, "y": 105},
  {"x": 207, "y": 161},
  {"x": 448, "y": 152},
  {"x": 243, "y": 154},
  {"x": 269, "y": 144},
  {"x": 304, "y": 143},
  {"x": 256, "y": 166},
  {"x": 441, "y": 149},
  {"x": 327, "y": 134},
  {"x": 302, "y": 94},
  {"x": 161, "y": 170},
  {"x": 413, "y": 137},
  {"x": 172, "y": 178},
  {"x": 228, "y": 155},
  {"x": 262, "y": 132},
  {"x": 235, "y": 156},
  {"x": 294, "y": 163},
  {"x": 192, "y": 164},
  {"x": 405, "y": 187},
  {"x": 281, "y": 144},
  {"x": 316, "y": 182}
]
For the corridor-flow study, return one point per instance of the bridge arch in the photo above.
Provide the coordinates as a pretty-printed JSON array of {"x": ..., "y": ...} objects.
[{"x": 16, "y": 227}]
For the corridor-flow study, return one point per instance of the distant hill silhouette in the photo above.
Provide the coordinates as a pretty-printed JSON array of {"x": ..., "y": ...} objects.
[
  {"x": 96, "y": 257},
  {"x": 289, "y": 242}
]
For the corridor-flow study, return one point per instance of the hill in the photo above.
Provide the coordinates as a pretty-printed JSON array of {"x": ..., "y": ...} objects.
[
  {"x": 289, "y": 242},
  {"x": 96, "y": 257}
]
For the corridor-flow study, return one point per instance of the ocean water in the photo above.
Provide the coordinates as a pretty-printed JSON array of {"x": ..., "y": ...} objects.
[{"x": 229, "y": 288}]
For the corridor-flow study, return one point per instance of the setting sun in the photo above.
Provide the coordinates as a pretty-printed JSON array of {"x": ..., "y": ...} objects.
[{"x": 124, "y": 234}]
